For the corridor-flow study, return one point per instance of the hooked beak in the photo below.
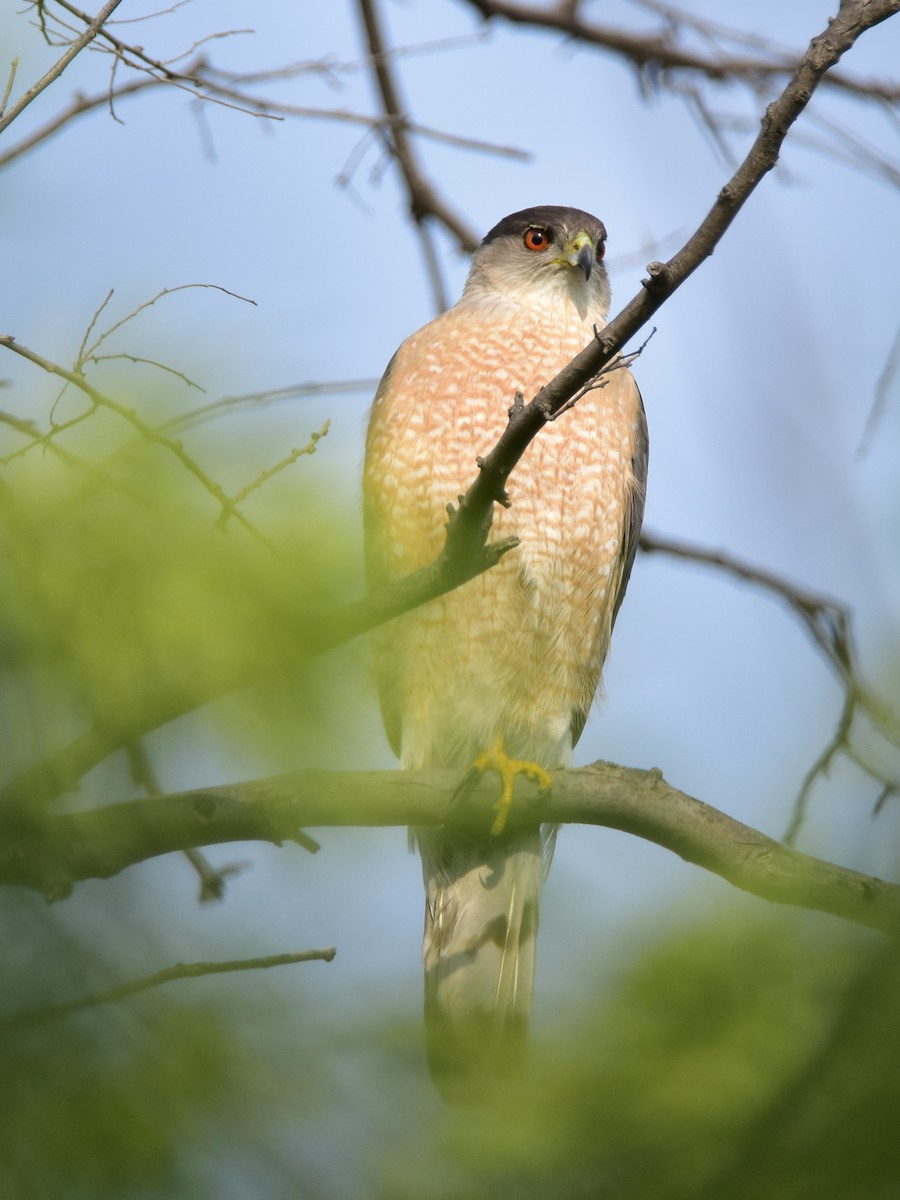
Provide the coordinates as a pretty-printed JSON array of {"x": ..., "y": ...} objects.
[{"x": 580, "y": 253}]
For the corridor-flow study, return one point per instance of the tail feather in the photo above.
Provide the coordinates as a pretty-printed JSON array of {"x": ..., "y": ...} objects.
[{"x": 481, "y": 919}]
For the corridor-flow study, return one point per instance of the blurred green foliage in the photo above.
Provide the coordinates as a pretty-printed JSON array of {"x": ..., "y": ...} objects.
[
  {"x": 123, "y": 574},
  {"x": 733, "y": 1061},
  {"x": 736, "y": 1058},
  {"x": 127, "y": 1100}
]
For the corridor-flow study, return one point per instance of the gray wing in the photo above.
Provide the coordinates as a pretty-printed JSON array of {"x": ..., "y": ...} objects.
[
  {"x": 634, "y": 517},
  {"x": 376, "y": 576},
  {"x": 374, "y": 557}
]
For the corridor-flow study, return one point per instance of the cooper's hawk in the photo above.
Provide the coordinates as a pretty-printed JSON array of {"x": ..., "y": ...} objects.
[{"x": 512, "y": 659}]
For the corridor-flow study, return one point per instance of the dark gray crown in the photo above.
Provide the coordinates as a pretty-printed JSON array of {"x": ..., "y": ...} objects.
[{"x": 553, "y": 215}]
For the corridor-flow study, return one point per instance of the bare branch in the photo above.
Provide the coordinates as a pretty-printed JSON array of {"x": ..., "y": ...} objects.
[
  {"x": 10, "y": 80},
  {"x": 424, "y": 202},
  {"x": 86, "y": 352},
  {"x": 826, "y": 620},
  {"x": 889, "y": 374},
  {"x": 212, "y": 881},
  {"x": 159, "y": 71},
  {"x": 99, "y": 843},
  {"x": 151, "y": 16},
  {"x": 78, "y": 107},
  {"x": 839, "y": 740},
  {"x": 147, "y": 432},
  {"x": 95, "y": 25},
  {"x": 659, "y": 51},
  {"x": 830, "y": 626},
  {"x": 266, "y": 475},
  {"x": 140, "y": 361},
  {"x": 231, "y": 404},
  {"x": 214, "y": 84},
  {"x": 112, "y": 995}
]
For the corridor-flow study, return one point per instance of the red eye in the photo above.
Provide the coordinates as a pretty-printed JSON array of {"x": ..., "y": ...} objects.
[
  {"x": 601, "y": 249},
  {"x": 536, "y": 238}
]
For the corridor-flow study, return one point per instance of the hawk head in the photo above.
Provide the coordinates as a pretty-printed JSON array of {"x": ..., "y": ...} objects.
[{"x": 542, "y": 254}]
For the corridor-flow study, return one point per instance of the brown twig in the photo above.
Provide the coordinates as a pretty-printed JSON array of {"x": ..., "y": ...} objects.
[
  {"x": 660, "y": 53},
  {"x": 52, "y": 1012},
  {"x": 215, "y": 84},
  {"x": 826, "y": 620},
  {"x": 829, "y": 624},
  {"x": 424, "y": 201}
]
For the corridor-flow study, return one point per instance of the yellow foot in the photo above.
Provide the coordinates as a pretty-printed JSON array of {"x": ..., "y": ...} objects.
[{"x": 496, "y": 759}]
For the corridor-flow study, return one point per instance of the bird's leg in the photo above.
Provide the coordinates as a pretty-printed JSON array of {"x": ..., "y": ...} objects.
[{"x": 496, "y": 759}]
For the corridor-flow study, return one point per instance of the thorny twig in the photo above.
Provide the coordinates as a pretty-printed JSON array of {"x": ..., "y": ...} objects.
[{"x": 621, "y": 362}]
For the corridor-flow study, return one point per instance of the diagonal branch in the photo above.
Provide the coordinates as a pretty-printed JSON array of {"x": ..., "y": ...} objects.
[
  {"x": 464, "y": 556},
  {"x": 94, "y": 27},
  {"x": 854, "y": 18}
]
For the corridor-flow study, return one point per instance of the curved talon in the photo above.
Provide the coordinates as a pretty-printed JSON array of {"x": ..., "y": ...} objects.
[{"x": 496, "y": 759}]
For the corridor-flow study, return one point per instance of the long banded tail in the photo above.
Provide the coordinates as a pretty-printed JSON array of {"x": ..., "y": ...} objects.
[{"x": 481, "y": 919}]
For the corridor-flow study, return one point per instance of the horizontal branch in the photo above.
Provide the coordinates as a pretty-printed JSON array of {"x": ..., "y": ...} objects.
[
  {"x": 101, "y": 842},
  {"x": 661, "y": 52}
]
